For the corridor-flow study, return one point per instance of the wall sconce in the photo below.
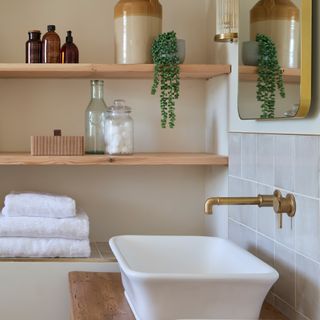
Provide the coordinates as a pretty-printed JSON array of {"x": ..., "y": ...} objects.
[{"x": 227, "y": 19}]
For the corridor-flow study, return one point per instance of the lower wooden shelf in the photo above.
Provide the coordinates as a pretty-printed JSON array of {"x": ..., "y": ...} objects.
[
  {"x": 100, "y": 253},
  {"x": 138, "y": 159}
]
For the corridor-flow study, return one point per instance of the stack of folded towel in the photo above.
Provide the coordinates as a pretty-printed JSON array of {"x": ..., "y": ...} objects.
[{"x": 43, "y": 225}]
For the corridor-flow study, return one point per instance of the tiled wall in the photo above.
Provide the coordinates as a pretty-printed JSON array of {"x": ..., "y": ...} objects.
[{"x": 259, "y": 163}]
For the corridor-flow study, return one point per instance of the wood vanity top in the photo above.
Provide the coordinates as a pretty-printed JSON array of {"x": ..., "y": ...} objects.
[{"x": 99, "y": 296}]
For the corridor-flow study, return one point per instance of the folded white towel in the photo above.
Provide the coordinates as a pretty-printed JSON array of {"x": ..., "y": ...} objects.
[
  {"x": 30, "y": 204},
  {"x": 46, "y": 248},
  {"x": 76, "y": 228}
]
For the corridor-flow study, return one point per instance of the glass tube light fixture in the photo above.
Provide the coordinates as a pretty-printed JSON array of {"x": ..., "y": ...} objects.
[{"x": 227, "y": 20}]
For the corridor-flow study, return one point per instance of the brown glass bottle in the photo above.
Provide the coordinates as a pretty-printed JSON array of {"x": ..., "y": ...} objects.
[
  {"x": 33, "y": 47},
  {"x": 51, "y": 46},
  {"x": 69, "y": 52}
]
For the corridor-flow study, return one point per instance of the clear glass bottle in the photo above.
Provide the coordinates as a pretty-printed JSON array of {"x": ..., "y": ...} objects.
[
  {"x": 119, "y": 129},
  {"x": 95, "y": 119}
]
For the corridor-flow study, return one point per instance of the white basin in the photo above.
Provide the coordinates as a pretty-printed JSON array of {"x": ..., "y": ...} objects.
[{"x": 186, "y": 277}]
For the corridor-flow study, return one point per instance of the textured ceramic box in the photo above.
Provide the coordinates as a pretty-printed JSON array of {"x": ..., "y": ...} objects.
[{"x": 57, "y": 145}]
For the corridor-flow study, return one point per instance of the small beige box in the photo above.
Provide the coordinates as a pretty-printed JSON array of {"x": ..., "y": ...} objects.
[{"x": 57, "y": 145}]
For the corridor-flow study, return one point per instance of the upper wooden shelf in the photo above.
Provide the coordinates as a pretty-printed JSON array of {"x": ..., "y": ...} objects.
[
  {"x": 138, "y": 159},
  {"x": 249, "y": 73},
  {"x": 105, "y": 71}
]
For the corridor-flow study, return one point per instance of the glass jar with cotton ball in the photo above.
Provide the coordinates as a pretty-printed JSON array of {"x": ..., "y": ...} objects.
[{"x": 119, "y": 129}]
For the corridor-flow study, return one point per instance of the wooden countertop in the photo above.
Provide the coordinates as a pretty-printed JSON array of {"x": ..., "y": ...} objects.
[{"x": 99, "y": 296}]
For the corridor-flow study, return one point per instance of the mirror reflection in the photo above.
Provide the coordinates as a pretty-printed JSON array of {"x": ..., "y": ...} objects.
[{"x": 270, "y": 66}]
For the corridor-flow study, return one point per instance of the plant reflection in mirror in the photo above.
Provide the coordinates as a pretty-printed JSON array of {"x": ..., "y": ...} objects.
[{"x": 269, "y": 76}]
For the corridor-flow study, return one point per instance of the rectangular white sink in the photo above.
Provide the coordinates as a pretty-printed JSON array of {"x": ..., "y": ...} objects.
[{"x": 191, "y": 277}]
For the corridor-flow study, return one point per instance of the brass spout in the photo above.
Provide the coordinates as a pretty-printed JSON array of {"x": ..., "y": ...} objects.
[
  {"x": 260, "y": 201},
  {"x": 279, "y": 203}
]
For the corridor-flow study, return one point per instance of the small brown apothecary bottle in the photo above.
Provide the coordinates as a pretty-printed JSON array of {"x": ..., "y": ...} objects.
[
  {"x": 51, "y": 46},
  {"x": 69, "y": 52},
  {"x": 33, "y": 47}
]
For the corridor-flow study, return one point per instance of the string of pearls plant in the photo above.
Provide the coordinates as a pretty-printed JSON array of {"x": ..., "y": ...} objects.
[
  {"x": 269, "y": 76},
  {"x": 166, "y": 75}
]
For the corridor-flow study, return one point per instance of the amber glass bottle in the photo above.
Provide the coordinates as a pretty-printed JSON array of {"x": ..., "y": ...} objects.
[
  {"x": 69, "y": 52},
  {"x": 51, "y": 46},
  {"x": 33, "y": 47}
]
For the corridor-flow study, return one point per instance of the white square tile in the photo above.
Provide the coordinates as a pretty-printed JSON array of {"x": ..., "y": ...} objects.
[
  {"x": 308, "y": 287},
  {"x": 307, "y": 224},
  {"x": 283, "y": 161},
  {"x": 235, "y": 154},
  {"x": 265, "y": 159},
  {"x": 248, "y": 156},
  {"x": 306, "y": 165},
  {"x": 244, "y": 214},
  {"x": 234, "y": 190},
  {"x": 265, "y": 249},
  {"x": 242, "y": 236},
  {"x": 288, "y": 311},
  {"x": 285, "y": 265},
  {"x": 266, "y": 215},
  {"x": 248, "y": 213}
]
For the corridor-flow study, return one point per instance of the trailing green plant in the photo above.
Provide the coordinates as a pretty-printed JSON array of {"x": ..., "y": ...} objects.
[
  {"x": 166, "y": 75},
  {"x": 269, "y": 76}
]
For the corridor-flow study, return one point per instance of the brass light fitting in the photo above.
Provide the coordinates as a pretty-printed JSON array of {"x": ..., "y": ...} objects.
[
  {"x": 226, "y": 37},
  {"x": 227, "y": 20},
  {"x": 279, "y": 203}
]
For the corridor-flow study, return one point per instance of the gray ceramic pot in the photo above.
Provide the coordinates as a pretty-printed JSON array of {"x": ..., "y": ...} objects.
[
  {"x": 181, "y": 48},
  {"x": 250, "y": 53},
  {"x": 181, "y": 44}
]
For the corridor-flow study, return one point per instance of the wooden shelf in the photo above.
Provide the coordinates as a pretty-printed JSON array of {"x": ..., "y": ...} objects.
[
  {"x": 249, "y": 73},
  {"x": 104, "y": 71},
  {"x": 138, "y": 159},
  {"x": 100, "y": 253}
]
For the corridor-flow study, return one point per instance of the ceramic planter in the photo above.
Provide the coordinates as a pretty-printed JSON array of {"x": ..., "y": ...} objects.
[
  {"x": 137, "y": 24},
  {"x": 280, "y": 20}
]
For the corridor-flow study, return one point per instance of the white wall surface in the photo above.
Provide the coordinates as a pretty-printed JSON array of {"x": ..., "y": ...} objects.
[
  {"x": 217, "y": 101},
  {"x": 122, "y": 200},
  {"x": 40, "y": 291},
  {"x": 118, "y": 200}
]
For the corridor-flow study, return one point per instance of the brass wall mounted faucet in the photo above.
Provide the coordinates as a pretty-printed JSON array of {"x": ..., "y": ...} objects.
[{"x": 279, "y": 203}]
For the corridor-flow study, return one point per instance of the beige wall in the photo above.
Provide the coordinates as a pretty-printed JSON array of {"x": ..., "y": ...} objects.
[{"x": 118, "y": 200}]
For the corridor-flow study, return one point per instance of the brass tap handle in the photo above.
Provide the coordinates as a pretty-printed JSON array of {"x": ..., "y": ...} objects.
[{"x": 283, "y": 205}]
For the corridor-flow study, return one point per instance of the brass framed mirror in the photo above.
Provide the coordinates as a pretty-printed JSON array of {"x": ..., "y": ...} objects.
[{"x": 267, "y": 89}]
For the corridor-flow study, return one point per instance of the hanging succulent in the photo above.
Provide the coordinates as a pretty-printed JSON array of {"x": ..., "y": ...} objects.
[
  {"x": 167, "y": 75},
  {"x": 269, "y": 76}
]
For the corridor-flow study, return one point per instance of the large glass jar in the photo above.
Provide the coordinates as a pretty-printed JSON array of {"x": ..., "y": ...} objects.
[
  {"x": 95, "y": 119},
  {"x": 119, "y": 129}
]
